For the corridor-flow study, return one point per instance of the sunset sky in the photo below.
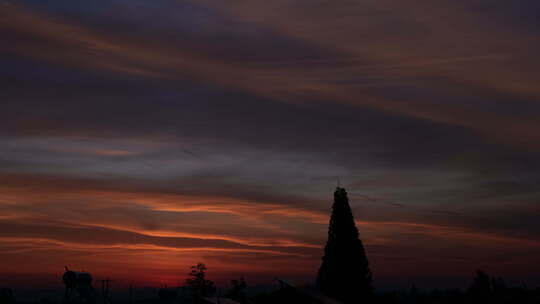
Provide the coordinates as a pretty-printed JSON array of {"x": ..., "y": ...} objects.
[{"x": 139, "y": 137}]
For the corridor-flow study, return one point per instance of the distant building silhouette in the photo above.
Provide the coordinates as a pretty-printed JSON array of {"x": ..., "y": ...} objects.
[{"x": 344, "y": 273}]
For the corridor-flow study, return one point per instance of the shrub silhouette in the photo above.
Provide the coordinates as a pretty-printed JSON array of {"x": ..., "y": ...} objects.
[
  {"x": 481, "y": 286},
  {"x": 344, "y": 273}
]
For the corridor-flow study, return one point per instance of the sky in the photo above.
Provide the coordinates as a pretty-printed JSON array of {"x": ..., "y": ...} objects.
[{"x": 138, "y": 138}]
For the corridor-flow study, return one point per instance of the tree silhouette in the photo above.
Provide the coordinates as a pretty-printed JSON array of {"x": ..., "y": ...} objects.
[
  {"x": 197, "y": 282},
  {"x": 344, "y": 273}
]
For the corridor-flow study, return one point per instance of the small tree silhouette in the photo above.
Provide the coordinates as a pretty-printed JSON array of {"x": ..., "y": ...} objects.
[
  {"x": 480, "y": 290},
  {"x": 344, "y": 273},
  {"x": 197, "y": 282},
  {"x": 481, "y": 284}
]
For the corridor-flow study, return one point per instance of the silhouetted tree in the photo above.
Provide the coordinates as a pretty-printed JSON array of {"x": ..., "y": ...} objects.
[
  {"x": 344, "y": 273},
  {"x": 197, "y": 282},
  {"x": 481, "y": 284},
  {"x": 237, "y": 291}
]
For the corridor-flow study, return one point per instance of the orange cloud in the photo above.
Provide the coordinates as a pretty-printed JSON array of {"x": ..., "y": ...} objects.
[{"x": 88, "y": 226}]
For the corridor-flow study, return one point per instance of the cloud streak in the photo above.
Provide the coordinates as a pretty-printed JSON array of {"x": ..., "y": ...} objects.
[{"x": 338, "y": 83}]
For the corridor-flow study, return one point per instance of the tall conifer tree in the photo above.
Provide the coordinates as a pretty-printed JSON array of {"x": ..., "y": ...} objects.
[{"x": 344, "y": 273}]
